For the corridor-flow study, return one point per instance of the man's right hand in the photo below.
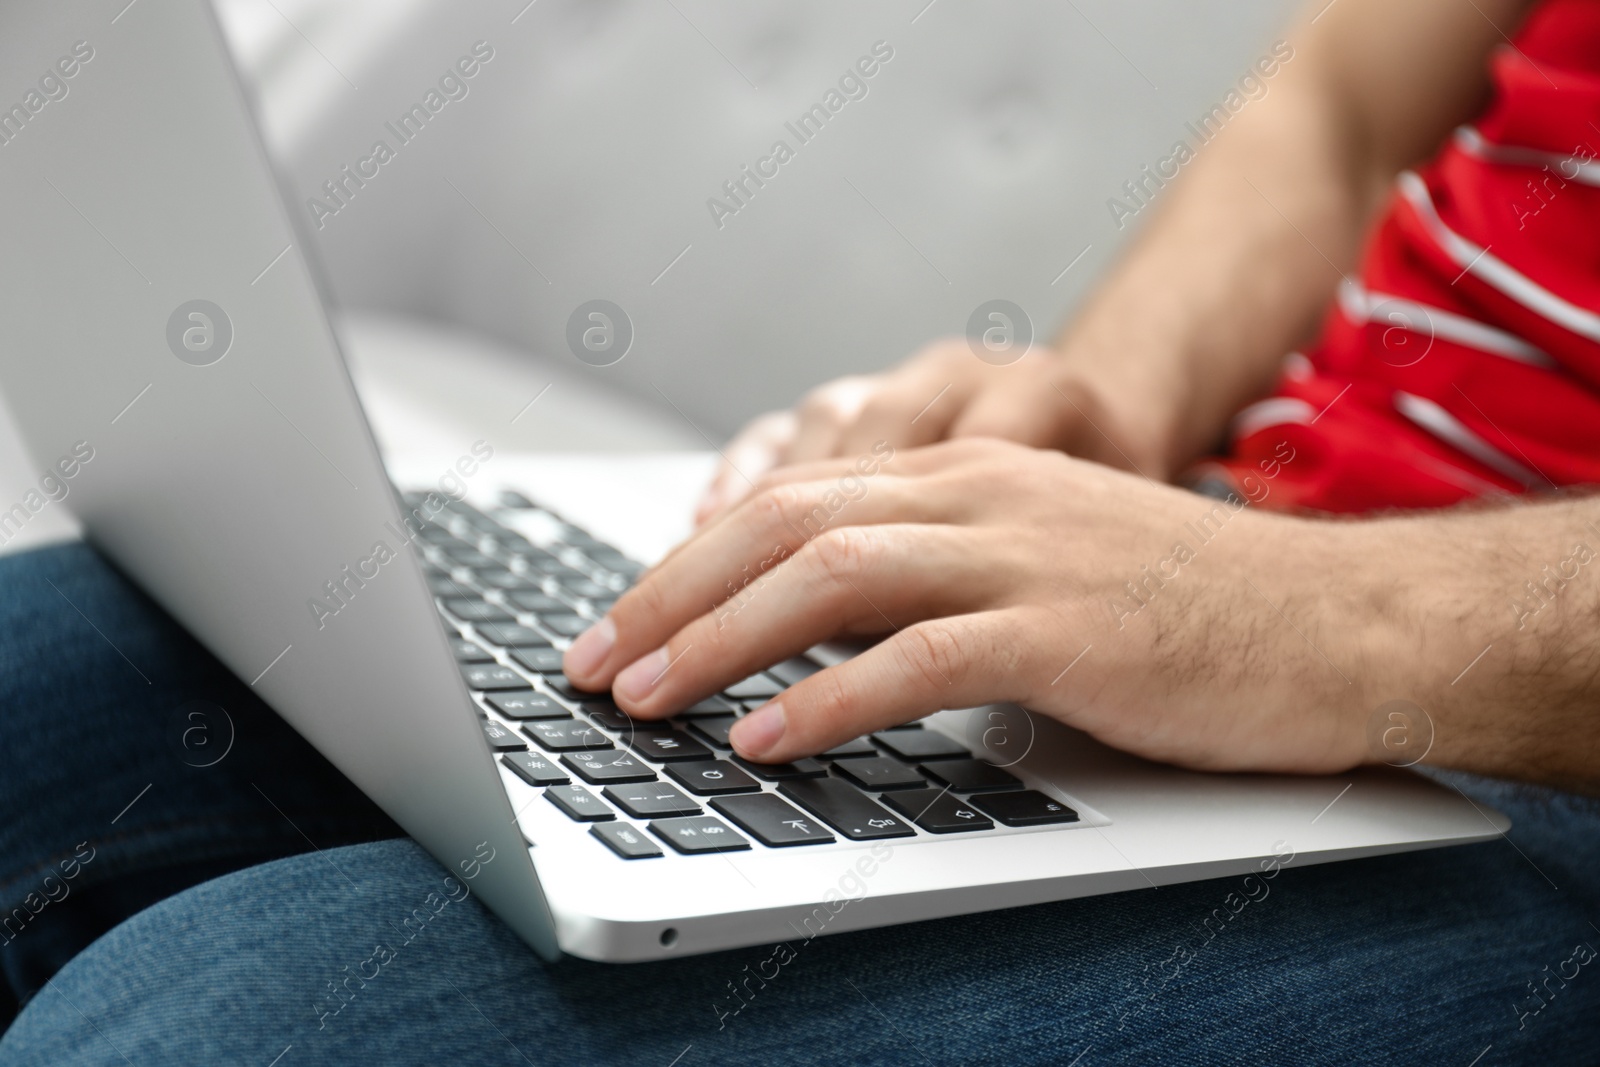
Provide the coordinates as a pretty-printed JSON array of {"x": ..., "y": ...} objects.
[{"x": 1046, "y": 399}]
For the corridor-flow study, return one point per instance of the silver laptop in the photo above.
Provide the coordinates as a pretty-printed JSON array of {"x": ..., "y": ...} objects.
[{"x": 167, "y": 342}]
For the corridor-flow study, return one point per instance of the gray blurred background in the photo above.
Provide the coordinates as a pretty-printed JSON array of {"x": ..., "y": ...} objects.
[
  {"x": 579, "y": 163},
  {"x": 978, "y": 165}
]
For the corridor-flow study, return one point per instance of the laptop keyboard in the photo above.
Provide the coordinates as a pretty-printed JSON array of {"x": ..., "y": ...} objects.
[{"x": 511, "y": 606}]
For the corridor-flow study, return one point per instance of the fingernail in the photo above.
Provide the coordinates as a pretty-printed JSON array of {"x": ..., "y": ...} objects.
[
  {"x": 757, "y": 732},
  {"x": 641, "y": 676},
  {"x": 591, "y": 648}
]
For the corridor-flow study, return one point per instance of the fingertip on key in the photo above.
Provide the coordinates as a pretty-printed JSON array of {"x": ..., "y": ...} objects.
[
  {"x": 589, "y": 650},
  {"x": 759, "y": 732}
]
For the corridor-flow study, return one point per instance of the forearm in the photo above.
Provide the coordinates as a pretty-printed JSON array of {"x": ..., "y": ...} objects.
[
  {"x": 1247, "y": 244},
  {"x": 1233, "y": 270},
  {"x": 1487, "y": 620}
]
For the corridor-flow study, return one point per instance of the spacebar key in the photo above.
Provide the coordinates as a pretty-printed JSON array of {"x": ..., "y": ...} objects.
[{"x": 845, "y": 808}]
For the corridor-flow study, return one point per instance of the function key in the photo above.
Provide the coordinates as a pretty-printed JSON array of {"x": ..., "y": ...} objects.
[
  {"x": 579, "y": 803},
  {"x": 666, "y": 745},
  {"x": 626, "y": 841},
  {"x": 849, "y": 750},
  {"x": 969, "y": 775},
  {"x": 567, "y": 735},
  {"x": 765, "y": 817},
  {"x": 845, "y": 808},
  {"x": 698, "y": 833},
  {"x": 600, "y": 768},
  {"x": 914, "y": 745},
  {"x": 651, "y": 800},
  {"x": 538, "y": 660},
  {"x": 1024, "y": 807},
  {"x": 526, "y": 704},
  {"x": 938, "y": 811},
  {"x": 878, "y": 773},
  {"x": 755, "y": 687},
  {"x": 711, "y": 778},
  {"x": 502, "y": 739},
  {"x": 489, "y": 676},
  {"x": 535, "y": 769}
]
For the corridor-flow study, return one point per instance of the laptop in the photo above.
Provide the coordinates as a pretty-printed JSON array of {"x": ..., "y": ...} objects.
[{"x": 167, "y": 341}]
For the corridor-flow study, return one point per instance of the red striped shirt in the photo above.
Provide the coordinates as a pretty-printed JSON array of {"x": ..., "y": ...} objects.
[{"x": 1465, "y": 361}]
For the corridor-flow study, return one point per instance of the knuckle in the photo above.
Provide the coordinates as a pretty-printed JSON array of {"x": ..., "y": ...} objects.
[
  {"x": 780, "y": 507},
  {"x": 935, "y": 652},
  {"x": 843, "y": 554},
  {"x": 646, "y": 600},
  {"x": 827, "y": 702}
]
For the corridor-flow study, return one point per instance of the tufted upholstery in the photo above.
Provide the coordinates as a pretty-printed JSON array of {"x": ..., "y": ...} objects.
[{"x": 977, "y": 165}]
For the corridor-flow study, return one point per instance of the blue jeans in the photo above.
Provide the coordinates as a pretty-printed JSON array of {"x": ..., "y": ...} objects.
[{"x": 189, "y": 905}]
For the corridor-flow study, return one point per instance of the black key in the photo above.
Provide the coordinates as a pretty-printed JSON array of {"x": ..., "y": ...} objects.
[
  {"x": 795, "y": 670},
  {"x": 566, "y": 735},
  {"x": 535, "y": 769},
  {"x": 510, "y": 634},
  {"x": 538, "y": 660},
  {"x": 510, "y": 498},
  {"x": 600, "y": 768},
  {"x": 844, "y": 807},
  {"x": 567, "y": 625},
  {"x": 502, "y": 739},
  {"x": 714, "y": 728},
  {"x": 446, "y": 586},
  {"x": 650, "y": 800},
  {"x": 467, "y": 556},
  {"x": 477, "y": 610},
  {"x": 878, "y": 773},
  {"x": 579, "y": 803},
  {"x": 914, "y": 745},
  {"x": 500, "y": 578},
  {"x": 626, "y": 841},
  {"x": 666, "y": 745},
  {"x": 712, "y": 777},
  {"x": 782, "y": 772},
  {"x": 467, "y": 652},
  {"x": 536, "y": 602},
  {"x": 487, "y": 676},
  {"x": 604, "y": 713},
  {"x": 755, "y": 687},
  {"x": 584, "y": 588},
  {"x": 969, "y": 775},
  {"x": 558, "y": 681},
  {"x": 527, "y": 704},
  {"x": 698, "y": 833},
  {"x": 1024, "y": 807},
  {"x": 708, "y": 706},
  {"x": 937, "y": 811},
  {"x": 769, "y": 820},
  {"x": 850, "y": 750}
]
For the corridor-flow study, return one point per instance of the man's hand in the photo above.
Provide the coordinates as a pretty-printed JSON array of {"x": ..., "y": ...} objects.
[
  {"x": 991, "y": 569},
  {"x": 1087, "y": 403}
]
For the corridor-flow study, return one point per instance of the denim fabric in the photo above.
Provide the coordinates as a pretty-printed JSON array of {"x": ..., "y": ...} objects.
[
  {"x": 115, "y": 791},
  {"x": 1481, "y": 954}
]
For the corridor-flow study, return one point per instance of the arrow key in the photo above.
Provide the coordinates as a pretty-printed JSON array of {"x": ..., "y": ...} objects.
[{"x": 938, "y": 811}]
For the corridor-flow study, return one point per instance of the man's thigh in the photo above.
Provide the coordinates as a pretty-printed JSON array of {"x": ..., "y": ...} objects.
[{"x": 1434, "y": 957}]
